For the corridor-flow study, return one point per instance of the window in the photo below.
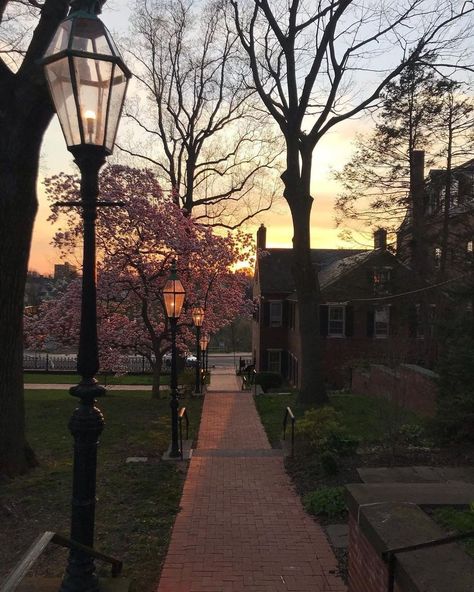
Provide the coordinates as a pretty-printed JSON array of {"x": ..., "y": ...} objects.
[
  {"x": 274, "y": 360},
  {"x": 336, "y": 318},
  {"x": 382, "y": 276},
  {"x": 276, "y": 310},
  {"x": 469, "y": 247},
  {"x": 381, "y": 322}
]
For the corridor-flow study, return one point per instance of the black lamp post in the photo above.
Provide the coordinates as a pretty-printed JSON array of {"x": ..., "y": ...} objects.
[
  {"x": 173, "y": 295},
  {"x": 198, "y": 319},
  {"x": 204, "y": 341},
  {"x": 87, "y": 79}
]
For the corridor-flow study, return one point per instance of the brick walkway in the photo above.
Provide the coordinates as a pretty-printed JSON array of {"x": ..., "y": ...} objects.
[{"x": 242, "y": 527}]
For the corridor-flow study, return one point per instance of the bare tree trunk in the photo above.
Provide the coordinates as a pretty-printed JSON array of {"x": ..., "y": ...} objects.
[
  {"x": 447, "y": 204},
  {"x": 155, "y": 389},
  {"x": 17, "y": 212},
  {"x": 312, "y": 383}
]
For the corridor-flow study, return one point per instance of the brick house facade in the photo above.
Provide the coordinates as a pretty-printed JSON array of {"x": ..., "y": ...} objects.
[
  {"x": 457, "y": 221},
  {"x": 364, "y": 316}
]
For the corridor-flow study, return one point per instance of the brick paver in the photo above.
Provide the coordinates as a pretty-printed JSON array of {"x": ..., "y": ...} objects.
[{"x": 242, "y": 527}]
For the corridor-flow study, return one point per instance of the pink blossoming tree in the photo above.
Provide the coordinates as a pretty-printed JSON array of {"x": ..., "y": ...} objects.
[{"x": 136, "y": 244}]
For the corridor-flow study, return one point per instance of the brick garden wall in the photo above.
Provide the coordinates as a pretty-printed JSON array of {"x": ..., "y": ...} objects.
[
  {"x": 367, "y": 571},
  {"x": 410, "y": 386}
]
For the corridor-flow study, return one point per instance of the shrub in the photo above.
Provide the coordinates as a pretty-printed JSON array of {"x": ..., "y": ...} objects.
[
  {"x": 268, "y": 380},
  {"x": 327, "y": 501},
  {"x": 412, "y": 434},
  {"x": 455, "y": 415},
  {"x": 321, "y": 430},
  {"x": 329, "y": 463}
]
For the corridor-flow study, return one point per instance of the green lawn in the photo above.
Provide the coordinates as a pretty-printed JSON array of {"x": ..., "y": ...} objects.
[
  {"x": 457, "y": 521},
  {"x": 366, "y": 418},
  {"x": 137, "y": 502},
  {"x": 57, "y": 378}
]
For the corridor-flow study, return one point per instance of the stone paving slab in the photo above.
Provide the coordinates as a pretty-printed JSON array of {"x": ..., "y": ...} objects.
[
  {"x": 416, "y": 474},
  {"x": 224, "y": 380},
  {"x": 242, "y": 527}
]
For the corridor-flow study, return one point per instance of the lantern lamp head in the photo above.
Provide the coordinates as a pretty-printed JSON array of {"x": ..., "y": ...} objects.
[
  {"x": 198, "y": 316},
  {"x": 87, "y": 78},
  {"x": 173, "y": 294},
  {"x": 204, "y": 341}
]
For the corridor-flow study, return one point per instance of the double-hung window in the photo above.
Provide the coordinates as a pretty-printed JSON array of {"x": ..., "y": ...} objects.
[
  {"x": 336, "y": 321},
  {"x": 276, "y": 312},
  {"x": 274, "y": 360},
  {"x": 381, "y": 322}
]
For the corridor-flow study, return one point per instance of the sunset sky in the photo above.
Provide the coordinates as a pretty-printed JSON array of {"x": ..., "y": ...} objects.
[{"x": 333, "y": 151}]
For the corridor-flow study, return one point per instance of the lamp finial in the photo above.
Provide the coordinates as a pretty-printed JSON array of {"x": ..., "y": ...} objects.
[{"x": 93, "y": 7}]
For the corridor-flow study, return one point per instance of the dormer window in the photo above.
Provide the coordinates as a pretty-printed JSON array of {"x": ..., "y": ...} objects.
[{"x": 381, "y": 278}]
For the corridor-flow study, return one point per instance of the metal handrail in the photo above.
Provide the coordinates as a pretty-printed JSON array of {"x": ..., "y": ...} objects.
[
  {"x": 183, "y": 413},
  {"x": 39, "y": 545},
  {"x": 289, "y": 414},
  {"x": 390, "y": 555}
]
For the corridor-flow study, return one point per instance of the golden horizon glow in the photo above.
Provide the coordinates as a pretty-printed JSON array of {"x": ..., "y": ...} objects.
[{"x": 332, "y": 153}]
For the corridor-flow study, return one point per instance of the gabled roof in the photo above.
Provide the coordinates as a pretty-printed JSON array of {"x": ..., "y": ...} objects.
[
  {"x": 338, "y": 268},
  {"x": 274, "y": 267}
]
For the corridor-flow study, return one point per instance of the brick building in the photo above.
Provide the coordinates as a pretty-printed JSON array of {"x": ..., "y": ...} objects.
[
  {"x": 364, "y": 316},
  {"x": 444, "y": 226}
]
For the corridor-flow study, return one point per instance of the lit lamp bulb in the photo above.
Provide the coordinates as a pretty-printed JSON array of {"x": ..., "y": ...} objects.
[{"x": 90, "y": 121}]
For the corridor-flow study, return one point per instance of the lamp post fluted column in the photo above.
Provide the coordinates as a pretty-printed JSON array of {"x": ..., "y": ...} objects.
[
  {"x": 87, "y": 421},
  {"x": 198, "y": 319},
  {"x": 198, "y": 362},
  {"x": 175, "y": 452}
]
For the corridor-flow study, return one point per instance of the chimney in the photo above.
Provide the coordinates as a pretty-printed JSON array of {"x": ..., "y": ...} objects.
[
  {"x": 380, "y": 239},
  {"x": 417, "y": 195},
  {"x": 261, "y": 237},
  {"x": 417, "y": 175}
]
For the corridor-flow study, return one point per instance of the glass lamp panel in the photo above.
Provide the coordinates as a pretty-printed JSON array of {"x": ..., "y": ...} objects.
[
  {"x": 60, "y": 39},
  {"x": 117, "y": 97},
  {"x": 173, "y": 294},
  {"x": 58, "y": 75},
  {"x": 93, "y": 86},
  {"x": 89, "y": 35},
  {"x": 113, "y": 47}
]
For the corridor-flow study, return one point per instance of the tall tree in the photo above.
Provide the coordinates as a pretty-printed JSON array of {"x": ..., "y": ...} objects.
[
  {"x": 455, "y": 138},
  {"x": 303, "y": 56},
  {"x": 198, "y": 122},
  {"x": 25, "y": 112},
  {"x": 376, "y": 181}
]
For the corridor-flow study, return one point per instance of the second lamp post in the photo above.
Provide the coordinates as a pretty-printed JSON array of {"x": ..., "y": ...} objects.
[
  {"x": 173, "y": 295},
  {"x": 198, "y": 319}
]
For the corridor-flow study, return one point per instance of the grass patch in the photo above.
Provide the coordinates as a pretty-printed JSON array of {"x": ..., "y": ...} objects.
[
  {"x": 137, "y": 502},
  {"x": 457, "y": 521},
  {"x": 65, "y": 378},
  {"x": 365, "y": 418},
  {"x": 272, "y": 409}
]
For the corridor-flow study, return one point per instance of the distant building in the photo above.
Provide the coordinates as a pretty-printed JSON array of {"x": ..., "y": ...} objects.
[{"x": 65, "y": 271}]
